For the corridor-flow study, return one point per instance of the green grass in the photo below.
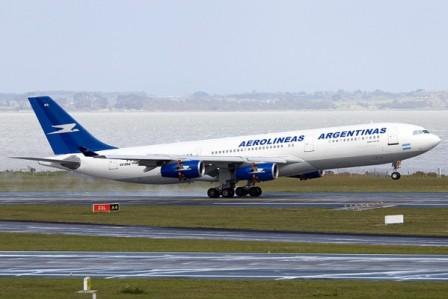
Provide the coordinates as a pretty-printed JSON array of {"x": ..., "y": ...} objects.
[
  {"x": 37, "y": 242},
  {"x": 418, "y": 221},
  {"x": 30, "y": 288},
  {"x": 66, "y": 181}
]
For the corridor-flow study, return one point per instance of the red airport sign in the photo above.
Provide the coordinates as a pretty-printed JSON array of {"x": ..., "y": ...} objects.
[{"x": 105, "y": 207}]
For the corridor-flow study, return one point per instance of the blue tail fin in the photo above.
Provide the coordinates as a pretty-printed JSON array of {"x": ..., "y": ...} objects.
[{"x": 63, "y": 132}]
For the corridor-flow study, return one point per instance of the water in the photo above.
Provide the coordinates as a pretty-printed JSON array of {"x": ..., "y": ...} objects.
[{"x": 22, "y": 135}]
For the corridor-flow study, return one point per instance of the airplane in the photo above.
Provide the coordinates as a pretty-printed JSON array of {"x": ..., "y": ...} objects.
[{"x": 302, "y": 154}]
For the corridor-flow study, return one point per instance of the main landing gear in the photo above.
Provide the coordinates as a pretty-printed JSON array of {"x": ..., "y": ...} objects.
[
  {"x": 252, "y": 191},
  {"x": 395, "y": 175},
  {"x": 228, "y": 192},
  {"x": 227, "y": 187}
]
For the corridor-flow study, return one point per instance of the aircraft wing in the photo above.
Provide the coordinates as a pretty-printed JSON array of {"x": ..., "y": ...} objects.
[{"x": 155, "y": 159}]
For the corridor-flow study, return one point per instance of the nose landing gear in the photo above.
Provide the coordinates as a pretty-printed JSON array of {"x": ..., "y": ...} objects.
[{"x": 395, "y": 175}]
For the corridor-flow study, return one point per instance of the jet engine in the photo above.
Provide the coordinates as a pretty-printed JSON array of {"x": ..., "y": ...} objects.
[
  {"x": 183, "y": 169},
  {"x": 257, "y": 171}
]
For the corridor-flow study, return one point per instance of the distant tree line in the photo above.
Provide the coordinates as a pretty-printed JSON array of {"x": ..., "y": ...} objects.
[{"x": 252, "y": 101}]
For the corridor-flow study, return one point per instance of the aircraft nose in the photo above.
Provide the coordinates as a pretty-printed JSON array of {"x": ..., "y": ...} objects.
[
  {"x": 426, "y": 142},
  {"x": 435, "y": 140}
]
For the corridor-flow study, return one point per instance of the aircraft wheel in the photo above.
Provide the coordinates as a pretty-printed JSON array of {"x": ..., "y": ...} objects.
[
  {"x": 255, "y": 191},
  {"x": 395, "y": 175},
  {"x": 228, "y": 192},
  {"x": 213, "y": 193},
  {"x": 241, "y": 191}
]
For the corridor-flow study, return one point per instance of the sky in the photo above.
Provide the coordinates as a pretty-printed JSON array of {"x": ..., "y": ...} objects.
[{"x": 168, "y": 47}]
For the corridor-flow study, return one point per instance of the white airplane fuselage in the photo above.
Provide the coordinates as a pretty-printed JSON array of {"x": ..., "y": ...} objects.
[{"x": 305, "y": 151}]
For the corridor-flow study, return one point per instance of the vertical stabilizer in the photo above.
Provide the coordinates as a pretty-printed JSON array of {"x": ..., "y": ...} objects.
[{"x": 63, "y": 132}]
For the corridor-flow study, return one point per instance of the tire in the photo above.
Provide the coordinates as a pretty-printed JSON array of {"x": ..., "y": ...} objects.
[
  {"x": 241, "y": 191},
  {"x": 395, "y": 175},
  {"x": 213, "y": 193},
  {"x": 255, "y": 191},
  {"x": 228, "y": 192}
]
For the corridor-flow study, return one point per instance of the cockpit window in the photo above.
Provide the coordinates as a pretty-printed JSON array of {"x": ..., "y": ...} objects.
[{"x": 418, "y": 132}]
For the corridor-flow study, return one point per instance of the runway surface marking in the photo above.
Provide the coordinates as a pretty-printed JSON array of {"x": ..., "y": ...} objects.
[
  {"x": 214, "y": 234},
  {"x": 273, "y": 200},
  {"x": 225, "y": 265}
]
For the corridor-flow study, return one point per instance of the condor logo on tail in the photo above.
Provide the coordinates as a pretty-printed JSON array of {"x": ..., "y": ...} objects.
[{"x": 67, "y": 128}]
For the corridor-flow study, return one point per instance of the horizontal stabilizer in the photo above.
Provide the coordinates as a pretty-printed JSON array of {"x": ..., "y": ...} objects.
[{"x": 71, "y": 163}]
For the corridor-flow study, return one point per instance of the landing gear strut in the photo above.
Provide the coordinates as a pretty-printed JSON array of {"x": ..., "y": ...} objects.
[{"x": 395, "y": 175}]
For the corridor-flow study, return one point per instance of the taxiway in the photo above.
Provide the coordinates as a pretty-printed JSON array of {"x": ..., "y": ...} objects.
[{"x": 137, "y": 231}]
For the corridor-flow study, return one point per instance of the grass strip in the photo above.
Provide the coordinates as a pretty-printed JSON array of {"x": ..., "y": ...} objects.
[
  {"x": 42, "y": 242},
  {"x": 418, "y": 221},
  {"x": 30, "y": 288}
]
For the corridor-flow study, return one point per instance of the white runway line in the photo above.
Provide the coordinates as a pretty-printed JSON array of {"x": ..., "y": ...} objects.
[{"x": 225, "y": 265}]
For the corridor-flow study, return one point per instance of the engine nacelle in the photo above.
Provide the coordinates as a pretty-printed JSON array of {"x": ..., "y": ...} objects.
[
  {"x": 189, "y": 169},
  {"x": 258, "y": 172}
]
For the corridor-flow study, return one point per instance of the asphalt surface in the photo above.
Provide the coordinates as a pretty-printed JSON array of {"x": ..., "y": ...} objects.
[
  {"x": 271, "y": 200},
  {"x": 214, "y": 234},
  {"x": 225, "y": 265}
]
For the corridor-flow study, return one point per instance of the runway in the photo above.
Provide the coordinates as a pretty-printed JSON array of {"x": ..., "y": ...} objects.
[
  {"x": 225, "y": 265},
  {"x": 214, "y": 234},
  {"x": 269, "y": 200}
]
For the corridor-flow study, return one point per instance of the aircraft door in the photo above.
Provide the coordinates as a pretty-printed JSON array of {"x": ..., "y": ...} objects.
[
  {"x": 113, "y": 164},
  {"x": 392, "y": 138},
  {"x": 309, "y": 146}
]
